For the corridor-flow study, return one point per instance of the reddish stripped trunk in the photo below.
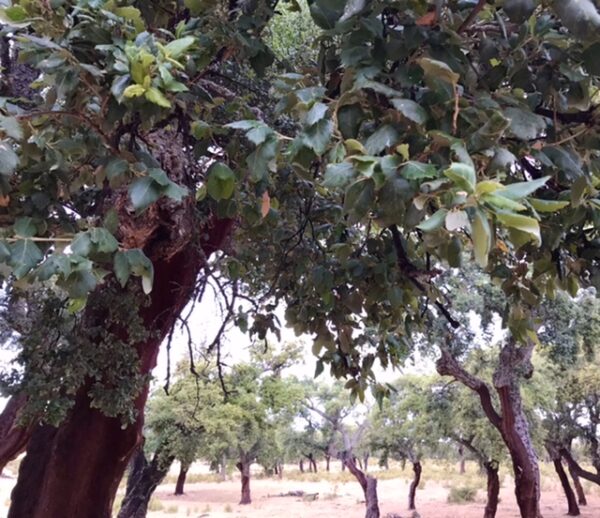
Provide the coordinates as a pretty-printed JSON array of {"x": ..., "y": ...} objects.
[
  {"x": 75, "y": 469},
  {"x": 412, "y": 492},
  {"x": 368, "y": 485},
  {"x": 244, "y": 467},
  {"x": 179, "y": 485},
  {"x": 13, "y": 438},
  {"x": 493, "y": 489}
]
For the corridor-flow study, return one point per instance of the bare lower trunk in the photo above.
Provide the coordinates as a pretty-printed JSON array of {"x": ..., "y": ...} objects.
[
  {"x": 581, "y": 499},
  {"x": 493, "y": 489},
  {"x": 144, "y": 478},
  {"x": 280, "y": 471},
  {"x": 461, "y": 454},
  {"x": 368, "y": 485},
  {"x": 366, "y": 461},
  {"x": 301, "y": 466},
  {"x": 180, "y": 484},
  {"x": 573, "y": 508},
  {"x": 13, "y": 436},
  {"x": 244, "y": 467},
  {"x": 412, "y": 492},
  {"x": 223, "y": 468},
  {"x": 75, "y": 469},
  {"x": 327, "y": 461}
]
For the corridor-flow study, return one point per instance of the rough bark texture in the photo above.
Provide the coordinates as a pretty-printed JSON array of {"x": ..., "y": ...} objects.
[
  {"x": 412, "y": 492},
  {"x": 368, "y": 485},
  {"x": 244, "y": 467},
  {"x": 180, "y": 484},
  {"x": 493, "y": 489},
  {"x": 13, "y": 438},
  {"x": 144, "y": 478},
  {"x": 89, "y": 447},
  {"x": 511, "y": 421}
]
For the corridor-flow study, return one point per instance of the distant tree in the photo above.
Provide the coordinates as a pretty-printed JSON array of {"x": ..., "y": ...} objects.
[{"x": 332, "y": 405}]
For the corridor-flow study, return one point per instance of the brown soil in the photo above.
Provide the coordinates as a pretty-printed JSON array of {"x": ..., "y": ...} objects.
[{"x": 336, "y": 499}]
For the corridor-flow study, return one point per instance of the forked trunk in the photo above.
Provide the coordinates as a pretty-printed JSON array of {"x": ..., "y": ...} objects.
[
  {"x": 244, "y": 467},
  {"x": 180, "y": 484},
  {"x": 573, "y": 508},
  {"x": 412, "y": 492},
  {"x": 13, "y": 437},
  {"x": 493, "y": 489},
  {"x": 144, "y": 477},
  {"x": 368, "y": 485},
  {"x": 75, "y": 469}
]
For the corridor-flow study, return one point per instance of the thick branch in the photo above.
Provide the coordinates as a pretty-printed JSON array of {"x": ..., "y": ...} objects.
[{"x": 447, "y": 365}]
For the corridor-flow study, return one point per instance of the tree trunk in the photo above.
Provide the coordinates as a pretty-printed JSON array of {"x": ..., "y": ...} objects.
[
  {"x": 493, "y": 489},
  {"x": 301, "y": 465},
  {"x": 13, "y": 437},
  {"x": 368, "y": 485},
  {"x": 573, "y": 508},
  {"x": 223, "y": 468},
  {"x": 314, "y": 463},
  {"x": 244, "y": 467},
  {"x": 511, "y": 421},
  {"x": 75, "y": 469},
  {"x": 412, "y": 492},
  {"x": 144, "y": 478},
  {"x": 366, "y": 461},
  {"x": 343, "y": 466},
  {"x": 581, "y": 499},
  {"x": 327, "y": 461},
  {"x": 514, "y": 429},
  {"x": 461, "y": 454},
  {"x": 280, "y": 471},
  {"x": 179, "y": 486}
]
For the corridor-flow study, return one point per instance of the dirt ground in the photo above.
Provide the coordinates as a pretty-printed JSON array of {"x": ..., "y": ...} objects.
[{"x": 336, "y": 499}]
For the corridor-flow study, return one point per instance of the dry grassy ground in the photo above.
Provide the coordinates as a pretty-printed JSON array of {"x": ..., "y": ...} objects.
[{"x": 339, "y": 496}]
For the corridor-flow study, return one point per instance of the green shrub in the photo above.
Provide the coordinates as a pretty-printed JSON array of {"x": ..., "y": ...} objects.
[{"x": 461, "y": 495}]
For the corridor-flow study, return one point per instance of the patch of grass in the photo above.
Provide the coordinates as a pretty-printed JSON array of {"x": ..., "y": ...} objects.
[
  {"x": 462, "y": 495},
  {"x": 155, "y": 505},
  {"x": 194, "y": 478},
  {"x": 172, "y": 509},
  {"x": 228, "y": 509}
]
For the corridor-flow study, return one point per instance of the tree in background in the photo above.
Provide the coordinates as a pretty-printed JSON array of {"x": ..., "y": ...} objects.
[{"x": 332, "y": 405}]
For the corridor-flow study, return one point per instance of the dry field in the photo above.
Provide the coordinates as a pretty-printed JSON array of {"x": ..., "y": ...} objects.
[{"x": 340, "y": 497}]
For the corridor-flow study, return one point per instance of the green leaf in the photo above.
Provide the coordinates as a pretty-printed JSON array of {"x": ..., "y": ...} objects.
[
  {"x": 520, "y": 190},
  {"x": 11, "y": 127},
  {"x": 154, "y": 95},
  {"x": 463, "y": 175},
  {"x": 133, "y": 15},
  {"x": 8, "y": 159},
  {"x": 177, "y": 48},
  {"x": 338, "y": 176},
  {"x": 482, "y": 237},
  {"x": 82, "y": 244},
  {"x": 548, "y": 205},
  {"x": 143, "y": 192},
  {"x": 316, "y": 113},
  {"x": 103, "y": 240},
  {"x": 55, "y": 264},
  {"x": 116, "y": 168},
  {"x": 25, "y": 227},
  {"x": 220, "y": 181},
  {"x": 122, "y": 268},
  {"x": 456, "y": 219},
  {"x": 525, "y": 224},
  {"x": 500, "y": 202},
  {"x": 259, "y": 161},
  {"x": 133, "y": 91},
  {"x": 411, "y": 110},
  {"x": 524, "y": 124},
  {"x": 384, "y": 137},
  {"x": 434, "y": 222},
  {"x": 359, "y": 198},
  {"x": 79, "y": 284},
  {"x": 438, "y": 70},
  {"x": 418, "y": 171},
  {"x": 24, "y": 255},
  {"x": 318, "y": 135}
]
